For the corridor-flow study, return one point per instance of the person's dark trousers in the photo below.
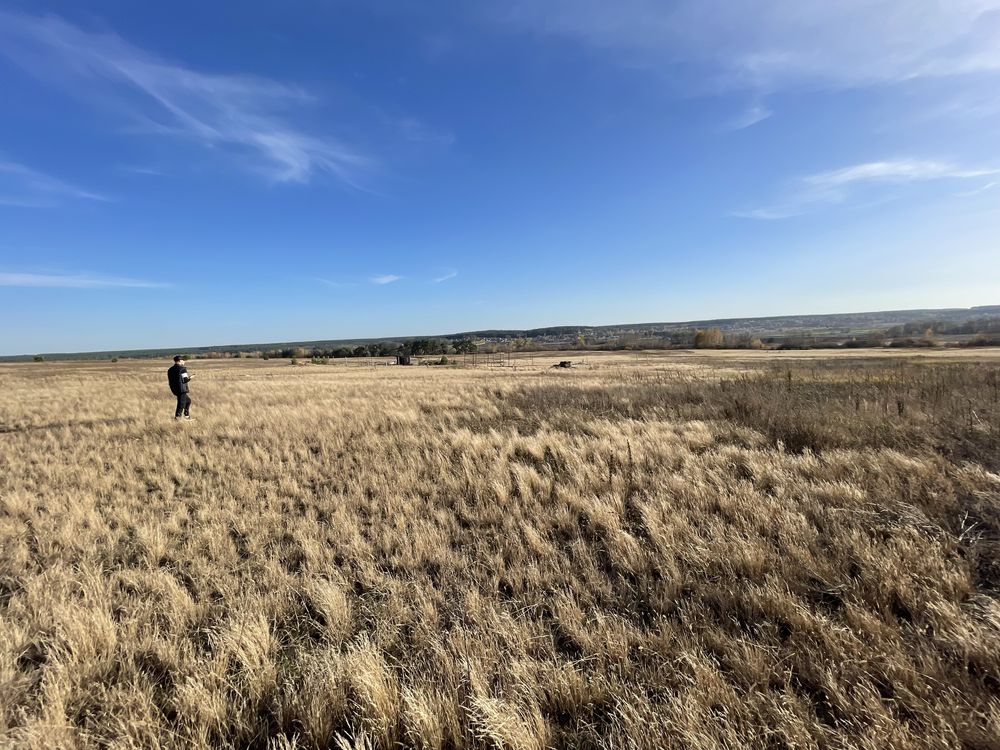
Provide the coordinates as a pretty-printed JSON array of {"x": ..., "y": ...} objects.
[{"x": 183, "y": 405}]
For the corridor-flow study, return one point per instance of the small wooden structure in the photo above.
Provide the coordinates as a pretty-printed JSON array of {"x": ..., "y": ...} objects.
[{"x": 403, "y": 359}]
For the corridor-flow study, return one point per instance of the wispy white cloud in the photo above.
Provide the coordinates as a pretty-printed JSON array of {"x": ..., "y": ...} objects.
[
  {"x": 335, "y": 284},
  {"x": 445, "y": 276},
  {"x": 26, "y": 187},
  {"x": 775, "y": 213},
  {"x": 416, "y": 131},
  {"x": 770, "y": 45},
  {"x": 978, "y": 190},
  {"x": 750, "y": 117},
  {"x": 837, "y": 186},
  {"x": 75, "y": 281},
  {"x": 237, "y": 112},
  {"x": 900, "y": 170},
  {"x": 146, "y": 171},
  {"x": 387, "y": 278}
]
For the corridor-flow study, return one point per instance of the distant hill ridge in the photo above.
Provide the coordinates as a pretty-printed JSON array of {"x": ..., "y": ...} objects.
[
  {"x": 773, "y": 326},
  {"x": 768, "y": 324}
]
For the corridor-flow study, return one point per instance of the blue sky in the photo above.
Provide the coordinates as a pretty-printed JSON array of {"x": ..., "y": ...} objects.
[{"x": 179, "y": 174}]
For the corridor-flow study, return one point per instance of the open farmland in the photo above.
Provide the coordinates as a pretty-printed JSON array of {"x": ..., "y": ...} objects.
[{"x": 764, "y": 550}]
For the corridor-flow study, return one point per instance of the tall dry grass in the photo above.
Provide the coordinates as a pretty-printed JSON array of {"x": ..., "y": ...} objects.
[{"x": 634, "y": 554}]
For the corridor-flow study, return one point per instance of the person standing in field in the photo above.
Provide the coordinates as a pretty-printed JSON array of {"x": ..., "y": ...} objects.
[{"x": 178, "y": 377}]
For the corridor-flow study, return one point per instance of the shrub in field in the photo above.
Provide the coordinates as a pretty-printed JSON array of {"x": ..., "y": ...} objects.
[{"x": 709, "y": 338}]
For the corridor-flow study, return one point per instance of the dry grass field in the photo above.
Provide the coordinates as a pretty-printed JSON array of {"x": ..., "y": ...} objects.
[{"x": 770, "y": 550}]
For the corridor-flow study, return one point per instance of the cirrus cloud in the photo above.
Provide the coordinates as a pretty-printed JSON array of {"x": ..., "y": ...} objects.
[
  {"x": 239, "y": 113},
  {"x": 771, "y": 47},
  {"x": 75, "y": 281},
  {"x": 450, "y": 274},
  {"x": 837, "y": 186},
  {"x": 26, "y": 187},
  {"x": 776, "y": 44}
]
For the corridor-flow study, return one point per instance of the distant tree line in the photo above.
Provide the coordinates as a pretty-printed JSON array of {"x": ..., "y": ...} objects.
[
  {"x": 412, "y": 347},
  {"x": 945, "y": 328},
  {"x": 983, "y": 331}
]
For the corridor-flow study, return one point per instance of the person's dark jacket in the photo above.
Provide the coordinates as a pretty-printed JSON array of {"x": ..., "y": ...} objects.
[{"x": 178, "y": 384}]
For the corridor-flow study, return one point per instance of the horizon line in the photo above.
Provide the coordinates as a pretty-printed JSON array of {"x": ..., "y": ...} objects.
[{"x": 455, "y": 334}]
